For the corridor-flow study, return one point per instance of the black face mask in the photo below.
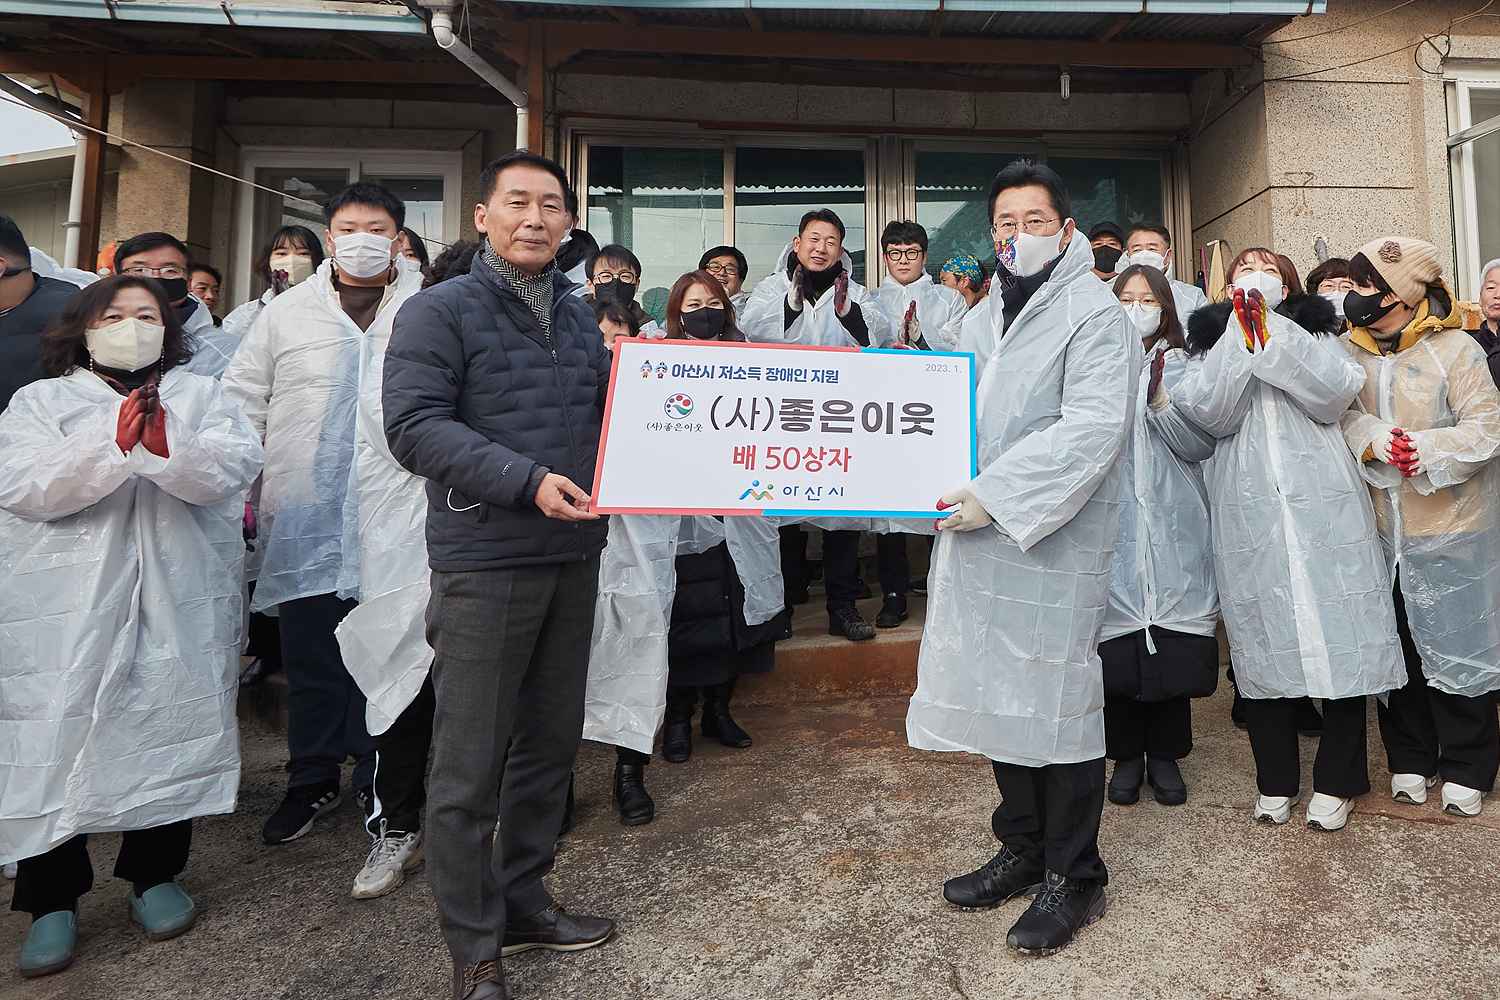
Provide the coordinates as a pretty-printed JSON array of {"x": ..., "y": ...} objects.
[
  {"x": 1105, "y": 258},
  {"x": 614, "y": 291},
  {"x": 704, "y": 324},
  {"x": 1362, "y": 310},
  {"x": 176, "y": 288}
]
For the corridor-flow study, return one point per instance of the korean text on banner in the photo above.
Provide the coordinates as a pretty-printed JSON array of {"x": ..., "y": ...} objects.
[{"x": 728, "y": 428}]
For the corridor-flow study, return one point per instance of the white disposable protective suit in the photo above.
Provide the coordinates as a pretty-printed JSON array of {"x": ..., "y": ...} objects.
[
  {"x": 297, "y": 376},
  {"x": 119, "y": 611},
  {"x": 626, "y": 697},
  {"x": 211, "y": 346},
  {"x": 1186, "y": 299},
  {"x": 1163, "y": 572},
  {"x": 1303, "y": 585},
  {"x": 1008, "y": 666},
  {"x": 818, "y": 325},
  {"x": 242, "y": 317},
  {"x": 940, "y": 310},
  {"x": 43, "y": 264}
]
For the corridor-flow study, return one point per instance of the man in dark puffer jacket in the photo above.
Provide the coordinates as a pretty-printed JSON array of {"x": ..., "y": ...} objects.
[{"x": 494, "y": 393}]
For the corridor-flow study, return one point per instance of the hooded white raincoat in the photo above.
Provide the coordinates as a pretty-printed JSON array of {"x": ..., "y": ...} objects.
[
  {"x": 119, "y": 611},
  {"x": 1009, "y": 666},
  {"x": 818, "y": 325},
  {"x": 1440, "y": 528},
  {"x": 940, "y": 310},
  {"x": 297, "y": 376},
  {"x": 1304, "y": 587},
  {"x": 243, "y": 316},
  {"x": 1163, "y": 571},
  {"x": 626, "y": 697}
]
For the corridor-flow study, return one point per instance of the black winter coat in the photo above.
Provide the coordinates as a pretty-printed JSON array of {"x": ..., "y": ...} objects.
[
  {"x": 1311, "y": 312},
  {"x": 1489, "y": 339},
  {"x": 481, "y": 402},
  {"x": 709, "y": 641}
]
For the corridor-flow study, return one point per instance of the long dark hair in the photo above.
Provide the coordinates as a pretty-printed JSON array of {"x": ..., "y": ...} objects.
[
  {"x": 679, "y": 292},
  {"x": 1170, "y": 328},
  {"x": 290, "y": 237},
  {"x": 63, "y": 345}
]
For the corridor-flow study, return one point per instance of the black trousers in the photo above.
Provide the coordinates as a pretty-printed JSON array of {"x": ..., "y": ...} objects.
[
  {"x": 400, "y": 784},
  {"x": 1430, "y": 732},
  {"x": 894, "y": 563},
  {"x": 1342, "y": 766},
  {"x": 325, "y": 709},
  {"x": 264, "y": 636},
  {"x": 794, "y": 570},
  {"x": 841, "y": 568},
  {"x": 1159, "y": 728},
  {"x": 1050, "y": 815},
  {"x": 56, "y": 880}
]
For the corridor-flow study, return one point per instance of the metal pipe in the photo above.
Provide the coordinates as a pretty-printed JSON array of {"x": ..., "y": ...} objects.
[
  {"x": 74, "y": 225},
  {"x": 442, "y": 33}
]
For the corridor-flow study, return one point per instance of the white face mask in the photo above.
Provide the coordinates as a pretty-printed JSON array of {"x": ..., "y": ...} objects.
[
  {"x": 1146, "y": 258},
  {"x": 1024, "y": 254},
  {"x": 1335, "y": 299},
  {"x": 405, "y": 263},
  {"x": 362, "y": 255},
  {"x": 1145, "y": 317},
  {"x": 1269, "y": 285},
  {"x": 127, "y": 345},
  {"x": 297, "y": 269}
]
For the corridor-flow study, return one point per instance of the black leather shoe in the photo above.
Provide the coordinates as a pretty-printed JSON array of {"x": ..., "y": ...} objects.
[
  {"x": 848, "y": 623},
  {"x": 677, "y": 740},
  {"x": 1309, "y": 719},
  {"x": 1125, "y": 783},
  {"x": 1062, "y": 909},
  {"x": 718, "y": 724},
  {"x": 1002, "y": 878},
  {"x": 482, "y": 981},
  {"x": 555, "y": 929},
  {"x": 631, "y": 798},
  {"x": 1166, "y": 780},
  {"x": 893, "y": 612}
]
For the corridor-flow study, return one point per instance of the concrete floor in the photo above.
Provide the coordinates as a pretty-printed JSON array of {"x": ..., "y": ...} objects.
[{"x": 810, "y": 867}]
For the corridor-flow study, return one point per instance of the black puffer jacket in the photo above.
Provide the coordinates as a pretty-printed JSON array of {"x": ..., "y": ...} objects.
[
  {"x": 1311, "y": 312},
  {"x": 708, "y": 611},
  {"x": 481, "y": 402}
]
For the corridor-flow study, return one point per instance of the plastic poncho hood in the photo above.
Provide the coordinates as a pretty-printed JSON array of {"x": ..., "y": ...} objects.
[
  {"x": 818, "y": 324},
  {"x": 120, "y": 607},
  {"x": 1008, "y": 666}
]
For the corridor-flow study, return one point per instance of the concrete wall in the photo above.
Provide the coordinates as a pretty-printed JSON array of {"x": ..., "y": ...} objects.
[{"x": 40, "y": 211}]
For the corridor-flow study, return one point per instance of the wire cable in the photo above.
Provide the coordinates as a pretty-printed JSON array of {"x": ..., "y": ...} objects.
[
  {"x": 1342, "y": 27},
  {"x": 1425, "y": 39}
]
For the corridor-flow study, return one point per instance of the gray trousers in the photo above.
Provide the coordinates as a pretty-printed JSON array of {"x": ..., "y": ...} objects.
[{"x": 512, "y": 655}]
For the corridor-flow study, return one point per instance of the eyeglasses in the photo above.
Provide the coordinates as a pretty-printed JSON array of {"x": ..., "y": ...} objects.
[
  {"x": 893, "y": 255},
  {"x": 142, "y": 271},
  {"x": 623, "y": 277},
  {"x": 722, "y": 270},
  {"x": 1035, "y": 225}
]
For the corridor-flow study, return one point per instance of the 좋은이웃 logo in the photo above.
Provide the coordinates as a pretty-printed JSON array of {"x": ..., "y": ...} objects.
[{"x": 678, "y": 406}]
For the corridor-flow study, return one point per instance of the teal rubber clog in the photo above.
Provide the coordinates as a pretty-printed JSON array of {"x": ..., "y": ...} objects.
[
  {"x": 163, "y": 911},
  {"x": 50, "y": 944}
]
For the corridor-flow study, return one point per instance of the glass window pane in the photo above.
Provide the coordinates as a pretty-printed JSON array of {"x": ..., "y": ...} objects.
[
  {"x": 951, "y": 190},
  {"x": 317, "y": 184},
  {"x": 424, "y": 205},
  {"x": 1122, "y": 191},
  {"x": 1485, "y": 104},
  {"x": 774, "y": 187},
  {"x": 666, "y": 205}
]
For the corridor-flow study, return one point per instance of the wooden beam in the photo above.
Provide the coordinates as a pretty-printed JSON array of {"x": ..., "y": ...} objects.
[
  {"x": 360, "y": 46},
  {"x": 95, "y": 153},
  {"x": 536, "y": 88},
  {"x": 1114, "y": 28},
  {"x": 124, "y": 69},
  {"x": 72, "y": 69},
  {"x": 949, "y": 50},
  {"x": 238, "y": 46}
]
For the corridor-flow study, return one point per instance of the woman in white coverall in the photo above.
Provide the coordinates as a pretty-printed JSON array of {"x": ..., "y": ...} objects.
[
  {"x": 1301, "y": 577},
  {"x": 1426, "y": 427},
  {"x": 122, "y": 478},
  {"x": 1158, "y": 644}
]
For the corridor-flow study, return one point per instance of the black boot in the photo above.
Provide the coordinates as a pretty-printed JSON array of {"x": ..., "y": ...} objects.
[
  {"x": 1166, "y": 780},
  {"x": 677, "y": 736},
  {"x": 847, "y": 622},
  {"x": 631, "y": 798},
  {"x": 892, "y": 612},
  {"x": 1062, "y": 909},
  {"x": 1125, "y": 783},
  {"x": 1309, "y": 719},
  {"x": 718, "y": 724}
]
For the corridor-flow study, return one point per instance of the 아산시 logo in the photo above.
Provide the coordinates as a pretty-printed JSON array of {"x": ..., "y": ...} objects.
[
  {"x": 756, "y": 493},
  {"x": 678, "y": 406}
]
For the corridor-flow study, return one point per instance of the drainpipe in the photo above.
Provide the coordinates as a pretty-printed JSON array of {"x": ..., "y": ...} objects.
[
  {"x": 442, "y": 33},
  {"x": 74, "y": 225}
]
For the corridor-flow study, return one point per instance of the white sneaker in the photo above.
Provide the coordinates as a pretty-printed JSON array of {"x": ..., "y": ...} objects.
[
  {"x": 1411, "y": 788},
  {"x": 1461, "y": 801},
  {"x": 1328, "y": 812},
  {"x": 387, "y": 864},
  {"x": 1275, "y": 809}
]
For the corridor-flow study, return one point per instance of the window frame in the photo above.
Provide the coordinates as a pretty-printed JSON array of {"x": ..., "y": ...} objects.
[{"x": 1459, "y": 84}]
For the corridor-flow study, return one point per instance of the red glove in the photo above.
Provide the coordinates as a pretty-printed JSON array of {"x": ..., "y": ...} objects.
[
  {"x": 1256, "y": 306},
  {"x": 130, "y": 422},
  {"x": 1404, "y": 454},
  {"x": 841, "y": 294},
  {"x": 248, "y": 527},
  {"x": 154, "y": 433},
  {"x": 1158, "y": 364},
  {"x": 1241, "y": 313}
]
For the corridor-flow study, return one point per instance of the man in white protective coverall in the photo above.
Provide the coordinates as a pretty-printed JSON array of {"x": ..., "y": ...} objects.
[
  {"x": 1151, "y": 246},
  {"x": 1008, "y": 666}
]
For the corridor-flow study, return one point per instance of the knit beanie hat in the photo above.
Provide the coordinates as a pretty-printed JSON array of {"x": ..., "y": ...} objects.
[{"x": 1406, "y": 264}]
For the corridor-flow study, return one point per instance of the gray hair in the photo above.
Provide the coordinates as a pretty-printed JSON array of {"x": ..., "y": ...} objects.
[{"x": 1484, "y": 272}]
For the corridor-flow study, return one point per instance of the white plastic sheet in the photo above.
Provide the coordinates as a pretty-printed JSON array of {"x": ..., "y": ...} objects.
[
  {"x": 120, "y": 605},
  {"x": 212, "y": 347},
  {"x": 940, "y": 310},
  {"x": 764, "y": 319},
  {"x": 1009, "y": 666}
]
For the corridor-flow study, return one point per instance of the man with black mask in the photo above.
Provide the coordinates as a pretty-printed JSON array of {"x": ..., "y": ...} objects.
[
  {"x": 614, "y": 275},
  {"x": 1108, "y": 243},
  {"x": 28, "y": 305},
  {"x": 164, "y": 257}
]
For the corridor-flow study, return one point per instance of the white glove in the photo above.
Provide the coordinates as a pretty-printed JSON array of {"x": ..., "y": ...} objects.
[{"x": 970, "y": 515}]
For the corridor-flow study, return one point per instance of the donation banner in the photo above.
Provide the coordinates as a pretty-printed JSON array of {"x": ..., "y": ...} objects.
[{"x": 706, "y": 427}]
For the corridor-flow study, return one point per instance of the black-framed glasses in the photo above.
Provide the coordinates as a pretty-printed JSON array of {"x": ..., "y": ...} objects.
[{"x": 893, "y": 255}]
